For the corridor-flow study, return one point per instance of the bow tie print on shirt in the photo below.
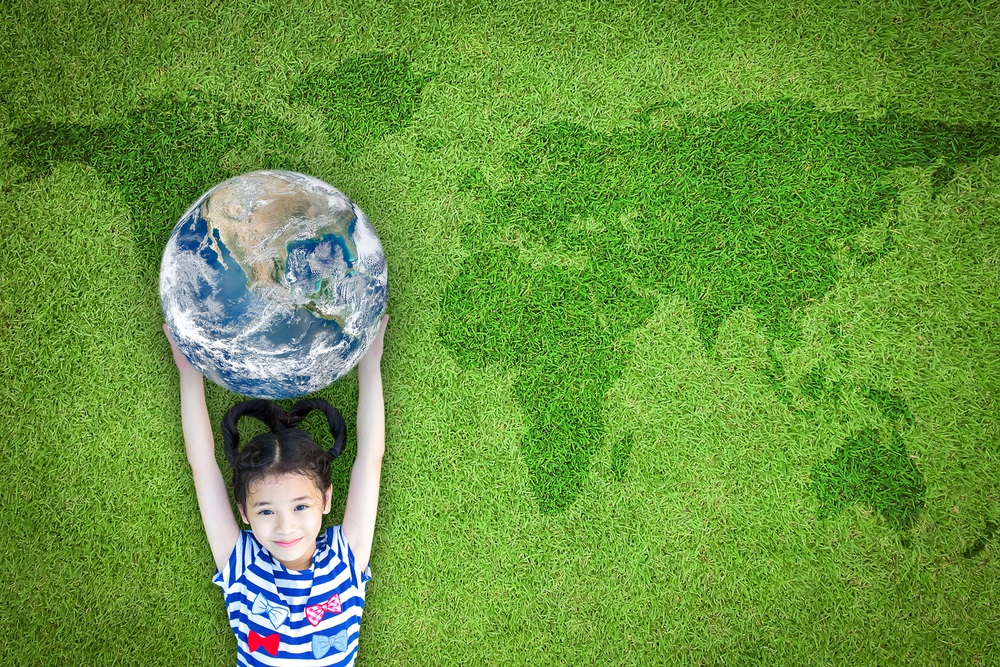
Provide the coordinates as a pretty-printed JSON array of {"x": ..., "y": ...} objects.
[
  {"x": 274, "y": 612},
  {"x": 270, "y": 643},
  {"x": 321, "y": 644},
  {"x": 314, "y": 613}
]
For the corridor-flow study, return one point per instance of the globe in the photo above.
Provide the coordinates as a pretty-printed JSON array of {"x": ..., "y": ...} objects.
[{"x": 273, "y": 284}]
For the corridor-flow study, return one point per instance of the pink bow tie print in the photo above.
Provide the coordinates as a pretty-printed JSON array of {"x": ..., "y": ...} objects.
[{"x": 315, "y": 612}]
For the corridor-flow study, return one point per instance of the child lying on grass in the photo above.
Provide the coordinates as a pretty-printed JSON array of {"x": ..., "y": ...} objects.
[{"x": 294, "y": 595}]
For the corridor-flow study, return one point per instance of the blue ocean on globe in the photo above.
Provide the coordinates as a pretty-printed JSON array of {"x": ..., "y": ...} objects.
[{"x": 273, "y": 284}]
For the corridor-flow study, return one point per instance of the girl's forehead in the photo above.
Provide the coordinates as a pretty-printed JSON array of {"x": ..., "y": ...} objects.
[{"x": 286, "y": 486}]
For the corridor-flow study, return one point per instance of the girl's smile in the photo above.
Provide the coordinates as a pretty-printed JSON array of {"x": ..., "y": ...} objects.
[{"x": 285, "y": 514}]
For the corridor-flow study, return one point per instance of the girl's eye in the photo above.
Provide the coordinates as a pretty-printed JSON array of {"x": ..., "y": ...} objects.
[
  {"x": 266, "y": 512},
  {"x": 301, "y": 507}
]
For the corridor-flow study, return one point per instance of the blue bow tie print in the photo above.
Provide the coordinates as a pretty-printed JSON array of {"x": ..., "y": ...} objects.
[
  {"x": 321, "y": 644},
  {"x": 274, "y": 612}
]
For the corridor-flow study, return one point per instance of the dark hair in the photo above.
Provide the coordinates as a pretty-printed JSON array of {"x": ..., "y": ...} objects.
[{"x": 286, "y": 449}]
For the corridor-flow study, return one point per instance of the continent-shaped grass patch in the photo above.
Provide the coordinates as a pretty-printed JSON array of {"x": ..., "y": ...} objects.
[
  {"x": 165, "y": 154},
  {"x": 366, "y": 98},
  {"x": 584, "y": 231},
  {"x": 874, "y": 470}
]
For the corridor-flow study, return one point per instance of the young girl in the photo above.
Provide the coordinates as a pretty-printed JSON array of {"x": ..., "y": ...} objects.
[{"x": 294, "y": 595}]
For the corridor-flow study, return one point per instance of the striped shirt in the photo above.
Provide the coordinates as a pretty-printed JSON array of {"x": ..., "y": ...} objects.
[{"x": 294, "y": 617}]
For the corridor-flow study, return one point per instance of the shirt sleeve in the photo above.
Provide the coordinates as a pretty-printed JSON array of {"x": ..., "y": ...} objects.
[
  {"x": 338, "y": 542},
  {"x": 243, "y": 554}
]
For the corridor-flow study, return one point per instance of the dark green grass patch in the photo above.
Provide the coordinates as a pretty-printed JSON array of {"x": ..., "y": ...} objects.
[
  {"x": 871, "y": 468},
  {"x": 363, "y": 100},
  {"x": 583, "y": 231},
  {"x": 874, "y": 468},
  {"x": 989, "y": 530},
  {"x": 892, "y": 406},
  {"x": 164, "y": 155}
]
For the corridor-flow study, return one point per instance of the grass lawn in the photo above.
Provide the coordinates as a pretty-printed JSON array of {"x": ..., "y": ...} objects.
[{"x": 694, "y": 351}]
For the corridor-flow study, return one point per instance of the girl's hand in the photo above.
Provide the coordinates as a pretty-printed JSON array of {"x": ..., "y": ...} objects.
[
  {"x": 183, "y": 365},
  {"x": 373, "y": 356}
]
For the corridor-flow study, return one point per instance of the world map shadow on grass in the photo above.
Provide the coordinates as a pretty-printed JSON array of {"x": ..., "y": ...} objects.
[
  {"x": 364, "y": 99},
  {"x": 582, "y": 232},
  {"x": 162, "y": 156}
]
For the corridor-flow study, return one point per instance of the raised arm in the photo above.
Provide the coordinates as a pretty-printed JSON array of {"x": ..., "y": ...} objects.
[
  {"x": 213, "y": 498},
  {"x": 362, "y": 494}
]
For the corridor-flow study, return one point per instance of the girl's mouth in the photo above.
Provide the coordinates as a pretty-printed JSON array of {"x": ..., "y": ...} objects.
[{"x": 290, "y": 543}]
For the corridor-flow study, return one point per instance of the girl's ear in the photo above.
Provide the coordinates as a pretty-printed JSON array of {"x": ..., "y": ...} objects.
[
  {"x": 243, "y": 515},
  {"x": 328, "y": 494}
]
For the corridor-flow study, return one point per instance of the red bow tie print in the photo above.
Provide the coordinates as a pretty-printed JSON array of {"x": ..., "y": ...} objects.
[
  {"x": 268, "y": 643},
  {"x": 314, "y": 613}
]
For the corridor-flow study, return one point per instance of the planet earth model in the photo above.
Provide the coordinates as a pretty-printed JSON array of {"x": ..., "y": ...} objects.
[{"x": 273, "y": 284}]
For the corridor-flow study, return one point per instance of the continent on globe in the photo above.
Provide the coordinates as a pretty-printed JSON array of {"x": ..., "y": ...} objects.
[
  {"x": 270, "y": 233},
  {"x": 273, "y": 284},
  {"x": 584, "y": 232}
]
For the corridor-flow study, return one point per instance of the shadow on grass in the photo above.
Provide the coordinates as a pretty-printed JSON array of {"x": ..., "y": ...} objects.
[
  {"x": 583, "y": 231},
  {"x": 164, "y": 155}
]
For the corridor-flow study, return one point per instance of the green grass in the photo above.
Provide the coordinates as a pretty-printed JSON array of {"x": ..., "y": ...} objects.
[{"x": 695, "y": 343}]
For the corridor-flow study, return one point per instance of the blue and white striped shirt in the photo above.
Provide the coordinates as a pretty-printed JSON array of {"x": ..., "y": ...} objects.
[{"x": 294, "y": 617}]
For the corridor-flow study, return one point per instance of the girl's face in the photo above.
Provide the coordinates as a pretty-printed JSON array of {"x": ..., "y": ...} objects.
[{"x": 285, "y": 514}]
